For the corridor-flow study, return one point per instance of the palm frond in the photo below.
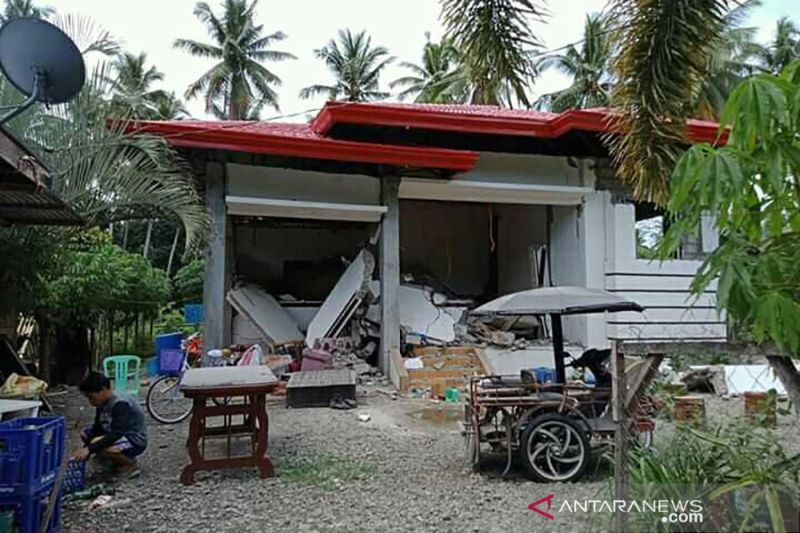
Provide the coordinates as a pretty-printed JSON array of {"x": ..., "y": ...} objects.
[
  {"x": 198, "y": 49},
  {"x": 87, "y": 34},
  {"x": 495, "y": 39},
  {"x": 661, "y": 65}
]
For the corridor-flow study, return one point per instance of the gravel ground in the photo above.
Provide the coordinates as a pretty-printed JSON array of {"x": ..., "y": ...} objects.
[{"x": 404, "y": 470}]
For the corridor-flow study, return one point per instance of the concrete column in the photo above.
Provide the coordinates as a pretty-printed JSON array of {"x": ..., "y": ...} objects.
[
  {"x": 216, "y": 310},
  {"x": 390, "y": 270}
]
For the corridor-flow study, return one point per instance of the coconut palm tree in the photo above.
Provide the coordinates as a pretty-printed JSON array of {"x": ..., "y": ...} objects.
[
  {"x": 589, "y": 67},
  {"x": 132, "y": 92},
  {"x": 24, "y": 8},
  {"x": 439, "y": 79},
  {"x": 356, "y": 65},
  {"x": 169, "y": 107},
  {"x": 239, "y": 82},
  {"x": 495, "y": 40},
  {"x": 661, "y": 67},
  {"x": 784, "y": 47},
  {"x": 733, "y": 59}
]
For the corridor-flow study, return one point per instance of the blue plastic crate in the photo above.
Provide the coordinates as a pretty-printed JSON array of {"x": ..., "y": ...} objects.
[
  {"x": 74, "y": 477},
  {"x": 193, "y": 313},
  {"x": 170, "y": 362},
  {"x": 29, "y": 511},
  {"x": 168, "y": 341},
  {"x": 30, "y": 454}
]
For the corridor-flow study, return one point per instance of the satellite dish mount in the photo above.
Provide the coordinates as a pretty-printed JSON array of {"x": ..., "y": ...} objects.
[{"x": 41, "y": 61}]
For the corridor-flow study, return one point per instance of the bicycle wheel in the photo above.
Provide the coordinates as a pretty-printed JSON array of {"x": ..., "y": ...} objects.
[{"x": 166, "y": 403}]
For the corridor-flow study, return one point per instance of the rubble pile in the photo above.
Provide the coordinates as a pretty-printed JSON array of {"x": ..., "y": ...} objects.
[{"x": 345, "y": 330}]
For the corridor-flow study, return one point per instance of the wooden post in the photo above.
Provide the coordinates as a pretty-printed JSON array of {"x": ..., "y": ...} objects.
[
  {"x": 558, "y": 348},
  {"x": 621, "y": 434}
]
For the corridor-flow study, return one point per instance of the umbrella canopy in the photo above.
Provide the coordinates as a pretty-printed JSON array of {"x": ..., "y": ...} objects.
[{"x": 557, "y": 301}]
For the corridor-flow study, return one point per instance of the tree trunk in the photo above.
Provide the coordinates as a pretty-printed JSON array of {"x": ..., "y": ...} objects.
[
  {"x": 172, "y": 250},
  {"x": 45, "y": 348},
  {"x": 73, "y": 352},
  {"x": 789, "y": 375},
  {"x": 147, "y": 239},
  {"x": 125, "y": 236}
]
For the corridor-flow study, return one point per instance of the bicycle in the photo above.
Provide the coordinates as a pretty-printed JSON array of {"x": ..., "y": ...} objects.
[{"x": 165, "y": 402}]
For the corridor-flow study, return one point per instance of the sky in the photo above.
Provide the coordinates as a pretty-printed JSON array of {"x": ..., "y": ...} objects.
[{"x": 152, "y": 25}]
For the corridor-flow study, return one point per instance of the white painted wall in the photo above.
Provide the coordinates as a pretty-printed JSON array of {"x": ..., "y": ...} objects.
[
  {"x": 288, "y": 184},
  {"x": 672, "y": 312},
  {"x": 521, "y": 230},
  {"x": 531, "y": 169}
]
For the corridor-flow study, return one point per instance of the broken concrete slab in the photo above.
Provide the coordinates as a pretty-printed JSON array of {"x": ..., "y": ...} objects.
[
  {"x": 419, "y": 315},
  {"x": 751, "y": 378},
  {"x": 264, "y": 311},
  {"x": 343, "y": 300}
]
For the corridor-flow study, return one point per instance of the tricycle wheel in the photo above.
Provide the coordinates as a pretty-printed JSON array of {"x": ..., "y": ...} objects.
[{"x": 554, "y": 448}]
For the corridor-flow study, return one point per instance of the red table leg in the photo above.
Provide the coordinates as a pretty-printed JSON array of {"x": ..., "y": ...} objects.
[
  {"x": 193, "y": 440},
  {"x": 263, "y": 462}
]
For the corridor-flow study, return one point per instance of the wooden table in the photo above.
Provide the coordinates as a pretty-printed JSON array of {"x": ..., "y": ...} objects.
[{"x": 244, "y": 389}]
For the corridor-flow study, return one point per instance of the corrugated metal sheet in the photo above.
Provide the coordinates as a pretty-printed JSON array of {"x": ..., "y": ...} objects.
[{"x": 24, "y": 196}]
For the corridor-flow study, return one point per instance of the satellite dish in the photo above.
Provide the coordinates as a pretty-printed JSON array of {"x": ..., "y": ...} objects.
[{"x": 41, "y": 61}]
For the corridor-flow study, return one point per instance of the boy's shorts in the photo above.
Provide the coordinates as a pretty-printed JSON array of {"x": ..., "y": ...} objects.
[{"x": 122, "y": 444}]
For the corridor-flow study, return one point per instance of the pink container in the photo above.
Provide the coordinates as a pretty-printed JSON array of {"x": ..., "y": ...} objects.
[{"x": 316, "y": 360}]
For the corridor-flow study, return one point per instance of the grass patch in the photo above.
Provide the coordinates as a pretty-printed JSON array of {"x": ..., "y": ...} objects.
[{"x": 323, "y": 470}]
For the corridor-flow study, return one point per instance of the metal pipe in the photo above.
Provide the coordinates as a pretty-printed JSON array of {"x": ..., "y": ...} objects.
[{"x": 558, "y": 347}]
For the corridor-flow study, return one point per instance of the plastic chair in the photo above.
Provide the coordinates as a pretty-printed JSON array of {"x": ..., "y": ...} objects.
[{"x": 126, "y": 373}]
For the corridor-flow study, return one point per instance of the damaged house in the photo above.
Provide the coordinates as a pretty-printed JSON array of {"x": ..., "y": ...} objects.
[{"x": 382, "y": 223}]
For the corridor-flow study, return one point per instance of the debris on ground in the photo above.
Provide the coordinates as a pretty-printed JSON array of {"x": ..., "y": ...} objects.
[{"x": 364, "y": 417}]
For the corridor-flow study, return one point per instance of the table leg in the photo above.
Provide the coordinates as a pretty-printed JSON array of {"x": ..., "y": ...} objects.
[
  {"x": 193, "y": 441},
  {"x": 265, "y": 468}
]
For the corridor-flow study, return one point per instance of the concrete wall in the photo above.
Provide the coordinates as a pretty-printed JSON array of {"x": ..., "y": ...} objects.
[
  {"x": 671, "y": 312},
  {"x": 531, "y": 169},
  {"x": 262, "y": 252},
  {"x": 451, "y": 240},
  {"x": 286, "y": 184},
  {"x": 521, "y": 230}
]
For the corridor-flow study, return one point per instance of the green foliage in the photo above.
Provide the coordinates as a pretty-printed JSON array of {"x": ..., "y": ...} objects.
[
  {"x": 326, "y": 472},
  {"x": 718, "y": 467},
  {"x": 99, "y": 277},
  {"x": 171, "y": 320},
  {"x": 661, "y": 65},
  {"x": 439, "y": 79},
  {"x": 496, "y": 40},
  {"x": 24, "y": 8},
  {"x": 356, "y": 65},
  {"x": 589, "y": 67},
  {"x": 751, "y": 187},
  {"x": 28, "y": 257},
  {"x": 238, "y": 86},
  {"x": 188, "y": 282},
  {"x": 133, "y": 95}
]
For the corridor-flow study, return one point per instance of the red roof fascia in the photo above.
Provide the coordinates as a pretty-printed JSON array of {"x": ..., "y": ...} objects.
[
  {"x": 427, "y": 117},
  {"x": 297, "y": 142},
  {"x": 488, "y": 120}
]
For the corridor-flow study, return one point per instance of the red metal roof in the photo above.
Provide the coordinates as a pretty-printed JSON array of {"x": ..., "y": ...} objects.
[
  {"x": 486, "y": 119},
  {"x": 299, "y": 140},
  {"x": 313, "y": 141}
]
